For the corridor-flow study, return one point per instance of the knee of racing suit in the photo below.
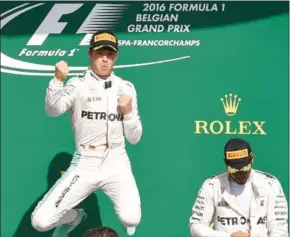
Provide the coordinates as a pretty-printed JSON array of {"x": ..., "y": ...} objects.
[
  {"x": 130, "y": 216},
  {"x": 41, "y": 221}
]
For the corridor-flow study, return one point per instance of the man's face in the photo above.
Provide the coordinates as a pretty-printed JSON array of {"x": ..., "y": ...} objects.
[
  {"x": 102, "y": 61},
  {"x": 240, "y": 177}
]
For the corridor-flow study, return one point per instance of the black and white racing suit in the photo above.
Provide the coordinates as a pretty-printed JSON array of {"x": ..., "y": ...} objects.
[{"x": 100, "y": 160}]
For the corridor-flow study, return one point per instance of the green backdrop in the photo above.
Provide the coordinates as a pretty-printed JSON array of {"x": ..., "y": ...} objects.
[{"x": 240, "y": 49}]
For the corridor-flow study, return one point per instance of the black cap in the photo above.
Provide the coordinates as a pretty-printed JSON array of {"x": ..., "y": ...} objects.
[
  {"x": 103, "y": 39},
  {"x": 238, "y": 155}
]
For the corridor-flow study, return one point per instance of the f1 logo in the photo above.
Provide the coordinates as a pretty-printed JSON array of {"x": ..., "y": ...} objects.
[{"x": 51, "y": 24}]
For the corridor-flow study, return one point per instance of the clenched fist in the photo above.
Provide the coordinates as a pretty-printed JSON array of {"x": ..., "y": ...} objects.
[
  {"x": 125, "y": 104},
  {"x": 240, "y": 234},
  {"x": 61, "y": 70}
]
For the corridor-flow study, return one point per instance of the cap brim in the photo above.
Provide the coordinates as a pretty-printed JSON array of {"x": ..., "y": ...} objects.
[
  {"x": 105, "y": 46},
  {"x": 240, "y": 164}
]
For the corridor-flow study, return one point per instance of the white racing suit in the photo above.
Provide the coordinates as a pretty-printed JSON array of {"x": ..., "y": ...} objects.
[
  {"x": 216, "y": 204},
  {"x": 100, "y": 160}
]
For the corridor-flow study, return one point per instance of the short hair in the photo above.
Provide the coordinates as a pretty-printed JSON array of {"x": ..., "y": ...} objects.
[{"x": 101, "y": 232}]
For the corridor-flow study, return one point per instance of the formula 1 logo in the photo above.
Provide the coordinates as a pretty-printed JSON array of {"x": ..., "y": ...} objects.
[{"x": 62, "y": 31}]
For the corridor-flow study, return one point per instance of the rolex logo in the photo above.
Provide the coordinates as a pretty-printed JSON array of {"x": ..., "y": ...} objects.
[
  {"x": 230, "y": 126},
  {"x": 231, "y": 104}
]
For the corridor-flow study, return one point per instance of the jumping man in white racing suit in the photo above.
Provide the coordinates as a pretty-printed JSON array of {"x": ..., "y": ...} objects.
[
  {"x": 104, "y": 112},
  {"x": 242, "y": 202}
]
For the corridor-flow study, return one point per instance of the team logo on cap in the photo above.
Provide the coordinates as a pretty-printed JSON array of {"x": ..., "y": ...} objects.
[
  {"x": 232, "y": 155},
  {"x": 105, "y": 36}
]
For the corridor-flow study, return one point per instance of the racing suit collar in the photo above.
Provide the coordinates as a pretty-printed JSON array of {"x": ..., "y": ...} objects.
[{"x": 230, "y": 198}]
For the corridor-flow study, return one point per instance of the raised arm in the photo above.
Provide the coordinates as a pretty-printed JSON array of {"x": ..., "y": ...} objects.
[
  {"x": 59, "y": 96},
  {"x": 131, "y": 122}
]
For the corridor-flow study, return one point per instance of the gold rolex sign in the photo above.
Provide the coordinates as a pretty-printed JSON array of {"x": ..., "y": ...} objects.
[{"x": 230, "y": 103}]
